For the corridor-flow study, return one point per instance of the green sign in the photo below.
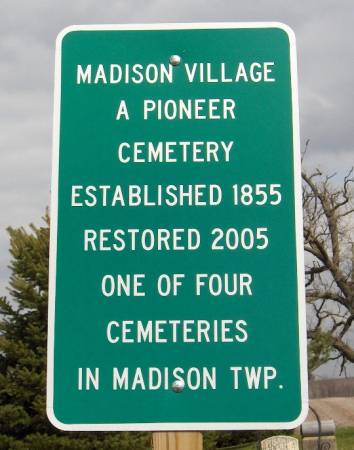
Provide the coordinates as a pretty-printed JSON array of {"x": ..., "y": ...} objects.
[{"x": 176, "y": 266}]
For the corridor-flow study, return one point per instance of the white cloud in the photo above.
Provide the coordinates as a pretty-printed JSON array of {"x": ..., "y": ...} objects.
[{"x": 27, "y": 36}]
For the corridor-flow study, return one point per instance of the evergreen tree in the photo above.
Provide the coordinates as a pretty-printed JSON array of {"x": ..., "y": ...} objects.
[{"x": 23, "y": 342}]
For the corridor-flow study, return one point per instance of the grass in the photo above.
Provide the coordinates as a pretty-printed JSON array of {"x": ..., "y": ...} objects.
[
  {"x": 249, "y": 446},
  {"x": 345, "y": 441},
  {"x": 345, "y": 438}
]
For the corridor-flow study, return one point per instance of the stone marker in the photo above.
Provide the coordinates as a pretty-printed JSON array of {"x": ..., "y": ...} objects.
[
  {"x": 280, "y": 443},
  {"x": 327, "y": 443},
  {"x": 311, "y": 429}
]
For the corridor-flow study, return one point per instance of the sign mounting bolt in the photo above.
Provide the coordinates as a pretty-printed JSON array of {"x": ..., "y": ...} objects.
[
  {"x": 175, "y": 60},
  {"x": 178, "y": 386}
]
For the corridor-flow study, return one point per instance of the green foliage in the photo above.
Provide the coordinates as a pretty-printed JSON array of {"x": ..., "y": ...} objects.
[
  {"x": 39, "y": 441},
  {"x": 230, "y": 439},
  {"x": 23, "y": 330},
  {"x": 345, "y": 438},
  {"x": 23, "y": 340},
  {"x": 209, "y": 440},
  {"x": 320, "y": 348}
]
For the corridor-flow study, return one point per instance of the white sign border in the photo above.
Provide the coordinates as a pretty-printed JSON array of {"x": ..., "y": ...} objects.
[{"x": 178, "y": 426}]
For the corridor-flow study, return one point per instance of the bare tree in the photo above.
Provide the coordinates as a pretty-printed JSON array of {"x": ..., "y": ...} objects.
[{"x": 329, "y": 257}]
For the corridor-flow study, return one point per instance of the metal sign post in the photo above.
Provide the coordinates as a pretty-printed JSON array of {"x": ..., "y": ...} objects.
[{"x": 176, "y": 258}]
